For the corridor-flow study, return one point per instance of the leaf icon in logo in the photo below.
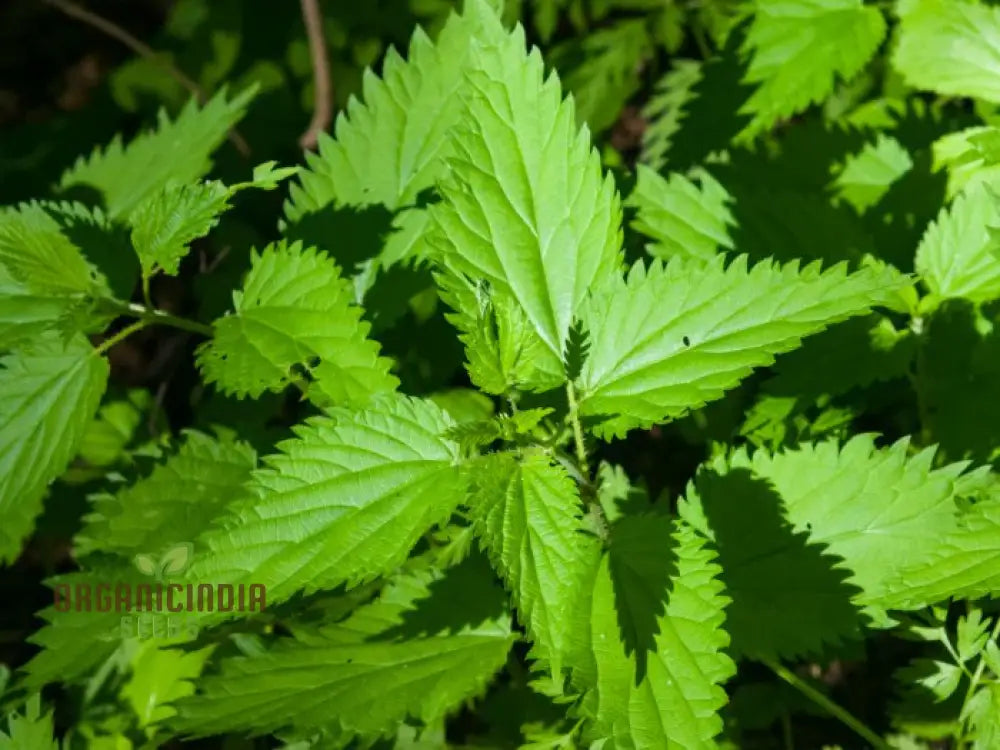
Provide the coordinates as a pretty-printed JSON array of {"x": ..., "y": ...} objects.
[
  {"x": 146, "y": 564},
  {"x": 176, "y": 559}
]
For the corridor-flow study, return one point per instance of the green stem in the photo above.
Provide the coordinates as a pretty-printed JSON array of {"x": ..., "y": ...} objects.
[
  {"x": 574, "y": 419},
  {"x": 826, "y": 704},
  {"x": 122, "y": 334},
  {"x": 158, "y": 317}
]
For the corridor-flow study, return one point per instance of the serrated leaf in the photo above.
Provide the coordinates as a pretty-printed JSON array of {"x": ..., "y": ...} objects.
[
  {"x": 38, "y": 255},
  {"x": 49, "y": 392},
  {"x": 294, "y": 309},
  {"x": 950, "y": 47},
  {"x": 880, "y": 510},
  {"x": 965, "y": 161},
  {"x": 673, "y": 597},
  {"x": 959, "y": 375},
  {"x": 31, "y": 730},
  {"x": 965, "y": 562},
  {"x": 957, "y": 256},
  {"x": 665, "y": 110},
  {"x": 366, "y": 675},
  {"x": 25, "y": 314},
  {"x": 526, "y": 206},
  {"x": 867, "y": 175},
  {"x": 391, "y": 147},
  {"x": 790, "y": 595},
  {"x": 798, "y": 50},
  {"x": 503, "y": 350},
  {"x": 680, "y": 335},
  {"x": 682, "y": 217},
  {"x": 343, "y": 502},
  {"x": 161, "y": 677},
  {"x": 601, "y": 70},
  {"x": 177, "y": 151},
  {"x": 165, "y": 225},
  {"x": 971, "y": 635},
  {"x": 528, "y": 517},
  {"x": 852, "y": 354},
  {"x": 74, "y": 643},
  {"x": 179, "y": 498}
]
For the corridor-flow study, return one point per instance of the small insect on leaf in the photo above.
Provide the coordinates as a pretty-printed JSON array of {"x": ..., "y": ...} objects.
[{"x": 176, "y": 559}]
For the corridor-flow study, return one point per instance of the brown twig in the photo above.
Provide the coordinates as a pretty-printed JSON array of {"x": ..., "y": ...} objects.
[
  {"x": 322, "y": 89},
  {"x": 142, "y": 49}
]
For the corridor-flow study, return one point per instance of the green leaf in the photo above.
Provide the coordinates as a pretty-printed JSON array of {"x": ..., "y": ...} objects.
[
  {"x": 526, "y": 206},
  {"x": 671, "y": 338},
  {"x": 666, "y": 109},
  {"x": 503, "y": 350},
  {"x": 528, "y": 516},
  {"x": 38, "y": 255},
  {"x": 965, "y": 563},
  {"x": 881, "y": 511},
  {"x": 419, "y": 651},
  {"x": 959, "y": 376},
  {"x": 293, "y": 310},
  {"x": 867, "y": 175},
  {"x": 972, "y": 633},
  {"x": 25, "y": 314},
  {"x": 174, "y": 503},
  {"x": 161, "y": 677},
  {"x": 682, "y": 217},
  {"x": 392, "y": 146},
  {"x": 49, "y": 392},
  {"x": 31, "y": 730},
  {"x": 957, "y": 256},
  {"x": 949, "y": 47},
  {"x": 344, "y": 501},
  {"x": 165, "y": 225},
  {"x": 799, "y": 49},
  {"x": 177, "y": 151},
  {"x": 852, "y": 354},
  {"x": 601, "y": 70},
  {"x": 660, "y": 582},
  {"x": 967, "y": 163},
  {"x": 74, "y": 643}
]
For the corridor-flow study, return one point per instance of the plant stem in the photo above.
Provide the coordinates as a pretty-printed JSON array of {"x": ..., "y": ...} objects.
[
  {"x": 826, "y": 704},
  {"x": 73, "y": 10},
  {"x": 121, "y": 335},
  {"x": 158, "y": 317},
  {"x": 322, "y": 89},
  {"x": 574, "y": 419}
]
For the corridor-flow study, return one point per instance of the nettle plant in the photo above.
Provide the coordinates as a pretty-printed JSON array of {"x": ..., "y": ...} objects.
[{"x": 421, "y": 550}]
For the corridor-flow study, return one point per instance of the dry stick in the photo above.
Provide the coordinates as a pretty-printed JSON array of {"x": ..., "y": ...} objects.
[
  {"x": 322, "y": 93},
  {"x": 142, "y": 49}
]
